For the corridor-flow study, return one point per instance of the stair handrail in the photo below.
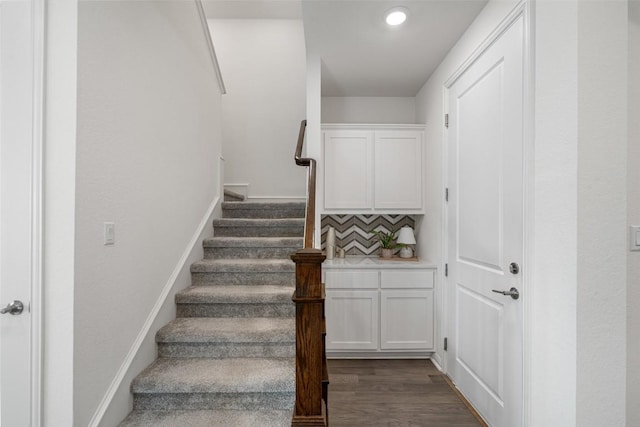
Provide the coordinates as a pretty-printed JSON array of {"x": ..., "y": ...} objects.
[
  {"x": 310, "y": 216},
  {"x": 312, "y": 380}
]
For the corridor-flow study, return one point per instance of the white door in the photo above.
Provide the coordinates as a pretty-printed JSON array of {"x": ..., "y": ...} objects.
[
  {"x": 18, "y": 206},
  {"x": 485, "y": 230}
]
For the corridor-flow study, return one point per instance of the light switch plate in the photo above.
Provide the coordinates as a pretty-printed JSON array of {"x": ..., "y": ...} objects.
[
  {"x": 634, "y": 238},
  {"x": 109, "y": 233}
]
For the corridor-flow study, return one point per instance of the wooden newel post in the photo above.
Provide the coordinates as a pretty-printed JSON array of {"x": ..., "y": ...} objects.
[{"x": 309, "y": 299}]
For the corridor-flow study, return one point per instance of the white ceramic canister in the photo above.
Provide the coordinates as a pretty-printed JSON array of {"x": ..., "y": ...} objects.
[{"x": 331, "y": 237}]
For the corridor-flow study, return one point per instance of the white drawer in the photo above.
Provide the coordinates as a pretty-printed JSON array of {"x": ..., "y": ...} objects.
[
  {"x": 406, "y": 279},
  {"x": 358, "y": 279}
]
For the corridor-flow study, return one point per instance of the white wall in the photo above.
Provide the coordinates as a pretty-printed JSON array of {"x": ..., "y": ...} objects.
[
  {"x": 313, "y": 138},
  {"x": 369, "y": 109},
  {"x": 633, "y": 211},
  {"x": 602, "y": 213},
  {"x": 579, "y": 272},
  {"x": 429, "y": 110},
  {"x": 148, "y": 148},
  {"x": 554, "y": 272},
  {"x": 263, "y": 63},
  {"x": 59, "y": 212}
]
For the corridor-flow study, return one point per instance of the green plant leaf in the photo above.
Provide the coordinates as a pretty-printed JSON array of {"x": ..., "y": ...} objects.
[{"x": 386, "y": 239}]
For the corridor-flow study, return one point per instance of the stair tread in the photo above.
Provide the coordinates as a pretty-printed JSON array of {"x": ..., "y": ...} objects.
[
  {"x": 234, "y": 294},
  {"x": 263, "y": 205},
  {"x": 242, "y": 242},
  {"x": 229, "y": 359},
  {"x": 243, "y": 265},
  {"x": 205, "y": 375},
  {"x": 228, "y": 330},
  {"x": 258, "y": 221},
  {"x": 207, "y": 418}
]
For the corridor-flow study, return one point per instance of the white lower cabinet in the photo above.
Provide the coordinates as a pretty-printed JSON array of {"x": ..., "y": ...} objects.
[
  {"x": 405, "y": 319},
  {"x": 376, "y": 311},
  {"x": 352, "y": 318}
]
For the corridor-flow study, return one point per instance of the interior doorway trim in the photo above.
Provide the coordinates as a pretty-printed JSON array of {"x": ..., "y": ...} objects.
[
  {"x": 524, "y": 9},
  {"x": 38, "y": 11}
]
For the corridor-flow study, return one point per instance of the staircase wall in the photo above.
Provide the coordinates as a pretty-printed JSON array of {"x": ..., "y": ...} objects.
[
  {"x": 265, "y": 103},
  {"x": 148, "y": 144}
]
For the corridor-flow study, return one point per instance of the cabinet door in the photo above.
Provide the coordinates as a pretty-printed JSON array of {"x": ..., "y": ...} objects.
[
  {"x": 347, "y": 169},
  {"x": 352, "y": 320},
  {"x": 398, "y": 170},
  {"x": 406, "y": 319}
]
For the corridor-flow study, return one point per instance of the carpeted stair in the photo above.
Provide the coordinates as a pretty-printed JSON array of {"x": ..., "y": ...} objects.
[{"x": 228, "y": 358}]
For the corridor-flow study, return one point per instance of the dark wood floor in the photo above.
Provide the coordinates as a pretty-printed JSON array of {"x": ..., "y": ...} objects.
[{"x": 398, "y": 393}]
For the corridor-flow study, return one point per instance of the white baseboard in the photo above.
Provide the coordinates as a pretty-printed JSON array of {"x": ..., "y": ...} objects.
[
  {"x": 243, "y": 188},
  {"x": 277, "y": 198},
  {"x": 436, "y": 363},
  {"x": 117, "y": 402},
  {"x": 379, "y": 355}
]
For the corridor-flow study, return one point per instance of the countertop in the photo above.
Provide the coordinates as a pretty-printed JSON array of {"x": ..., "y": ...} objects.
[{"x": 374, "y": 262}]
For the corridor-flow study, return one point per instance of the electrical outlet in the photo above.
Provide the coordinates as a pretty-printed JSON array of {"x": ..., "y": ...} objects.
[{"x": 109, "y": 233}]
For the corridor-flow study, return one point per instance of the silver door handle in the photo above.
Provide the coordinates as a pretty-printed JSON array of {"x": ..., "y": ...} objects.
[
  {"x": 14, "y": 307},
  {"x": 513, "y": 293}
]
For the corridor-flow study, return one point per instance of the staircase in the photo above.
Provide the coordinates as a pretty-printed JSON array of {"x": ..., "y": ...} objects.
[{"x": 228, "y": 359}]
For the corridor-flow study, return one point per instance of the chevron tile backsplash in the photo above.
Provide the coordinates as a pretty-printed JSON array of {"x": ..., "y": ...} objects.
[{"x": 354, "y": 233}]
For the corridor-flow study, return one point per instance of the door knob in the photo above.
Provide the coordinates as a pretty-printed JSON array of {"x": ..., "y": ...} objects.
[
  {"x": 14, "y": 307},
  {"x": 513, "y": 293}
]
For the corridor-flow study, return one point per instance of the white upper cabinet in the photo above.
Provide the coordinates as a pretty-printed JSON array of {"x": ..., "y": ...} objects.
[
  {"x": 372, "y": 168},
  {"x": 347, "y": 169},
  {"x": 398, "y": 169}
]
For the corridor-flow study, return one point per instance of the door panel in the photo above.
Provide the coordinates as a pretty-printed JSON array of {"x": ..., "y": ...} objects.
[
  {"x": 480, "y": 338},
  {"x": 17, "y": 211},
  {"x": 485, "y": 229},
  {"x": 479, "y": 158}
]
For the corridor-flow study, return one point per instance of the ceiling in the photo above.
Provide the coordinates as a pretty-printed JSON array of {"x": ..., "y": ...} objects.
[
  {"x": 252, "y": 9},
  {"x": 361, "y": 55}
]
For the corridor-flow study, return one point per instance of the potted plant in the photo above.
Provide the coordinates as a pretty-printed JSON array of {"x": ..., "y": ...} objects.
[{"x": 386, "y": 243}]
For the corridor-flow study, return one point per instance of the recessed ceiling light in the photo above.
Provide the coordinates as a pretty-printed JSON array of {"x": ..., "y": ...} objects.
[{"x": 396, "y": 16}]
